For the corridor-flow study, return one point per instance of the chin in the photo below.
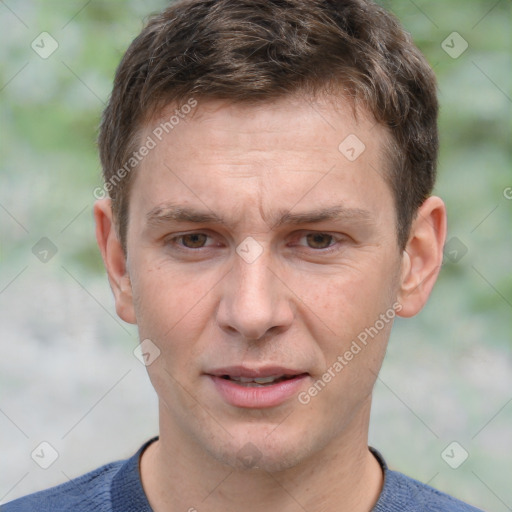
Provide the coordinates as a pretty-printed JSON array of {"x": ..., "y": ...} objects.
[{"x": 263, "y": 450}]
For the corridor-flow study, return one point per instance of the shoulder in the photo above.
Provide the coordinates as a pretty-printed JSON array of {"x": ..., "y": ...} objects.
[
  {"x": 404, "y": 493},
  {"x": 115, "y": 487},
  {"x": 401, "y": 492},
  {"x": 87, "y": 492}
]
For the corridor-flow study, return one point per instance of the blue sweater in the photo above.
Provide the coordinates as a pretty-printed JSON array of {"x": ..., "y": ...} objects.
[{"x": 116, "y": 487}]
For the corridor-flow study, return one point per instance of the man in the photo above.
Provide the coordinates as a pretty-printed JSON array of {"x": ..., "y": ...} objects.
[{"x": 269, "y": 166}]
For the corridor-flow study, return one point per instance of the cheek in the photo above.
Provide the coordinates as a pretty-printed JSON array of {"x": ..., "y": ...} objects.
[
  {"x": 344, "y": 302},
  {"x": 169, "y": 301},
  {"x": 343, "y": 316},
  {"x": 172, "y": 309}
]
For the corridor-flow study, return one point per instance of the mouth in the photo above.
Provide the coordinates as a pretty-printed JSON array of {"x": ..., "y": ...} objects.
[
  {"x": 253, "y": 382},
  {"x": 256, "y": 388}
]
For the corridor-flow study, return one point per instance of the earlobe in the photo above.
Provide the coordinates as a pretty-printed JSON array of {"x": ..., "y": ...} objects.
[
  {"x": 114, "y": 260},
  {"x": 423, "y": 256}
]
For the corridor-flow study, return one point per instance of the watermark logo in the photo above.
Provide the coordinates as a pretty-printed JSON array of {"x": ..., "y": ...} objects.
[
  {"x": 147, "y": 352},
  {"x": 454, "y": 45},
  {"x": 249, "y": 250},
  {"x": 44, "y": 455},
  {"x": 454, "y": 250},
  {"x": 44, "y": 45},
  {"x": 249, "y": 455},
  {"x": 454, "y": 455},
  {"x": 351, "y": 147},
  {"x": 44, "y": 250}
]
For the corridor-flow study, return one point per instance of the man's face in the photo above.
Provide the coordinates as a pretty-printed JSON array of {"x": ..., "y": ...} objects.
[{"x": 271, "y": 291}]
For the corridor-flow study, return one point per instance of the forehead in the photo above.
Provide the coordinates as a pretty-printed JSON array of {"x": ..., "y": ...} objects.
[
  {"x": 316, "y": 121},
  {"x": 273, "y": 155}
]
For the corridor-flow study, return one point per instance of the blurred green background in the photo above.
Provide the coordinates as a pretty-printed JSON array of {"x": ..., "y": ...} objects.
[{"x": 448, "y": 371}]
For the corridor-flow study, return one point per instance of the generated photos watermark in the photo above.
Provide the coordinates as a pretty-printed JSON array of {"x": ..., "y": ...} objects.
[
  {"x": 150, "y": 143},
  {"x": 357, "y": 345}
]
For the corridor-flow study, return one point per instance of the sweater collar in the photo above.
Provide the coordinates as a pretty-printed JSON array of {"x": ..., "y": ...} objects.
[{"x": 127, "y": 493}]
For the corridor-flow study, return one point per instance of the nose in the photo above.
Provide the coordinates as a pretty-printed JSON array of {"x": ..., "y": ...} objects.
[{"x": 255, "y": 301}]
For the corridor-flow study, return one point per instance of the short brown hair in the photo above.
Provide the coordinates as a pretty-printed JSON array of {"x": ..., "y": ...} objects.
[{"x": 260, "y": 50}]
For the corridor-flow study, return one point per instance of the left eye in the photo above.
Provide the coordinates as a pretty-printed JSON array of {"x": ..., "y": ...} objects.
[{"x": 319, "y": 240}]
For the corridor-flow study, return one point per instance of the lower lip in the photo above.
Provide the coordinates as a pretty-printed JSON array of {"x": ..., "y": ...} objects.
[{"x": 257, "y": 397}]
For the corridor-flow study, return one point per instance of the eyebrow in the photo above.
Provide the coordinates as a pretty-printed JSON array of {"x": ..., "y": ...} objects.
[{"x": 173, "y": 213}]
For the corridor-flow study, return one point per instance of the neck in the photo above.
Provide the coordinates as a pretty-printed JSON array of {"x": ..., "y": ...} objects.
[{"x": 178, "y": 475}]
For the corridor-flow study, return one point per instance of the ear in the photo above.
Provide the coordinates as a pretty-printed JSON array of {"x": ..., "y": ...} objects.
[
  {"x": 422, "y": 257},
  {"x": 114, "y": 260}
]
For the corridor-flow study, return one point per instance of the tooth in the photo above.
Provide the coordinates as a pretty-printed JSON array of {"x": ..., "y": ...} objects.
[
  {"x": 264, "y": 380},
  {"x": 256, "y": 380},
  {"x": 241, "y": 379}
]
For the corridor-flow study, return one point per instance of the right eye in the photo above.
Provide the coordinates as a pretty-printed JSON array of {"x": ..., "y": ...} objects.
[{"x": 196, "y": 241}]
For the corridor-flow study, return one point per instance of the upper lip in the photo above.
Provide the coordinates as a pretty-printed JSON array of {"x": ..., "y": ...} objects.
[{"x": 264, "y": 371}]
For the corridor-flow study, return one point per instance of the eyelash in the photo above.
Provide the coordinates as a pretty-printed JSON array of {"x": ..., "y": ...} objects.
[{"x": 331, "y": 248}]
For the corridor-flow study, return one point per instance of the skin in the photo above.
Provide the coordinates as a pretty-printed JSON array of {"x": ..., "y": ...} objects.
[{"x": 297, "y": 305}]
